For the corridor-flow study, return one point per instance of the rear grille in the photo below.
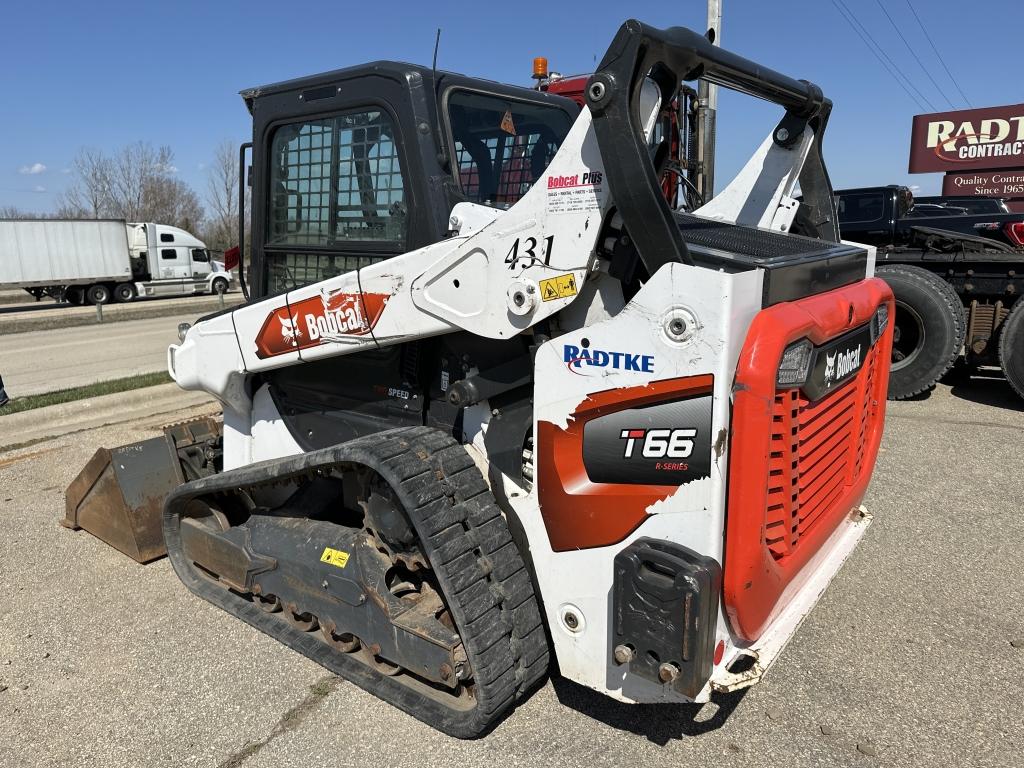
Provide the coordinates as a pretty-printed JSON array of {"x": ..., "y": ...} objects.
[
  {"x": 797, "y": 467},
  {"x": 817, "y": 450}
]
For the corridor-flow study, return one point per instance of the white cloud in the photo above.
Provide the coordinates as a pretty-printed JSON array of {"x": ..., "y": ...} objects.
[
  {"x": 168, "y": 168},
  {"x": 202, "y": 166},
  {"x": 65, "y": 171},
  {"x": 32, "y": 170},
  {"x": 38, "y": 188}
]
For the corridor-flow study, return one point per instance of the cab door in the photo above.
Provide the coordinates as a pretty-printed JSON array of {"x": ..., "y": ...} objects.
[
  {"x": 200, "y": 264},
  {"x": 336, "y": 174},
  {"x": 200, "y": 271}
]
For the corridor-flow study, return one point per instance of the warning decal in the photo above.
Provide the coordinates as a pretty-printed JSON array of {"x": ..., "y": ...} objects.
[
  {"x": 334, "y": 557},
  {"x": 506, "y": 123},
  {"x": 560, "y": 287}
]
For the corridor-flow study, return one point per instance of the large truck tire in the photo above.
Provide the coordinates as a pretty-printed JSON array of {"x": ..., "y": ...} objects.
[
  {"x": 930, "y": 328},
  {"x": 1011, "y": 348},
  {"x": 125, "y": 292},
  {"x": 219, "y": 285},
  {"x": 74, "y": 295},
  {"x": 99, "y": 293}
]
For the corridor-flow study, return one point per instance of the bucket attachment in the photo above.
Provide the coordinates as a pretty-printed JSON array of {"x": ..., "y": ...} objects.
[{"x": 119, "y": 496}]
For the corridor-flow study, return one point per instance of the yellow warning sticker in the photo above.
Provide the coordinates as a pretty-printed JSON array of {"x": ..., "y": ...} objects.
[
  {"x": 561, "y": 287},
  {"x": 334, "y": 557}
]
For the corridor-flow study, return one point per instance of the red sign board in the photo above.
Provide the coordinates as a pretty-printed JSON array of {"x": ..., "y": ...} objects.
[
  {"x": 968, "y": 140},
  {"x": 1008, "y": 183}
]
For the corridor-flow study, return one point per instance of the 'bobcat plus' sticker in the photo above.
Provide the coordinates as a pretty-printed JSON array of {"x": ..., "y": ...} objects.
[{"x": 575, "y": 193}]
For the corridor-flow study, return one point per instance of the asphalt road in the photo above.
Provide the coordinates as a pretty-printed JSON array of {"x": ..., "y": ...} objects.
[
  {"x": 913, "y": 657},
  {"x": 16, "y": 302},
  {"x": 43, "y": 361}
]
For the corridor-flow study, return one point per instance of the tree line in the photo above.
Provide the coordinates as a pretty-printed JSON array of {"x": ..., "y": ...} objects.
[{"x": 139, "y": 183}]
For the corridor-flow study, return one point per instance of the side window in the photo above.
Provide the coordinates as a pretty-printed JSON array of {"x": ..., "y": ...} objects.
[
  {"x": 371, "y": 195},
  {"x": 166, "y": 237},
  {"x": 502, "y": 147},
  {"x": 200, "y": 255},
  {"x": 168, "y": 253},
  {"x": 861, "y": 207},
  {"x": 337, "y": 181}
]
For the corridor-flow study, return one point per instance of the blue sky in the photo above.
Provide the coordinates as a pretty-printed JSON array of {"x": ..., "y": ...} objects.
[{"x": 103, "y": 74}]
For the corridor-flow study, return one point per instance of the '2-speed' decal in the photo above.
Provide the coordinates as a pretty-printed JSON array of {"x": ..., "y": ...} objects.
[{"x": 319, "y": 319}]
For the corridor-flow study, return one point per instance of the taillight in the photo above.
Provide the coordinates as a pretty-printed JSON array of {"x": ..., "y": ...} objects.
[{"x": 1015, "y": 232}]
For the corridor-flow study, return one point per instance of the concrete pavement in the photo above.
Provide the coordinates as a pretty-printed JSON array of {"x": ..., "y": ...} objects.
[
  {"x": 44, "y": 361},
  {"x": 912, "y": 658}
]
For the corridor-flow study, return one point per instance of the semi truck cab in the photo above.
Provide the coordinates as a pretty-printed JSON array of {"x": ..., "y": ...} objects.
[{"x": 168, "y": 261}]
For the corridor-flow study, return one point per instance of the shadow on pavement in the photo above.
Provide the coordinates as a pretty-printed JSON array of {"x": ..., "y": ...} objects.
[
  {"x": 987, "y": 387},
  {"x": 658, "y": 723}
]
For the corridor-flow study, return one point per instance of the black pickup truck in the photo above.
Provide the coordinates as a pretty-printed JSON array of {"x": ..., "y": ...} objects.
[{"x": 956, "y": 280}]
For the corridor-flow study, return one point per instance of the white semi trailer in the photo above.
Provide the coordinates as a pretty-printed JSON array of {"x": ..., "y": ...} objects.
[{"x": 98, "y": 261}]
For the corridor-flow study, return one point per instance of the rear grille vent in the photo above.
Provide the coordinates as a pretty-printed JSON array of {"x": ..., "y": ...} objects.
[{"x": 817, "y": 450}]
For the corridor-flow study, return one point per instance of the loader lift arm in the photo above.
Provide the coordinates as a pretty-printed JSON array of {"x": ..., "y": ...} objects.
[{"x": 668, "y": 57}]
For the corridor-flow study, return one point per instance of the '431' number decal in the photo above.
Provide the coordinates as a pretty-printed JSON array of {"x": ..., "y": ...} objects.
[{"x": 527, "y": 250}]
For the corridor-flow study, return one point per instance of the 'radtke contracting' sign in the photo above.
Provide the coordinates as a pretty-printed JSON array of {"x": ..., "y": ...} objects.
[
  {"x": 968, "y": 140},
  {"x": 985, "y": 183}
]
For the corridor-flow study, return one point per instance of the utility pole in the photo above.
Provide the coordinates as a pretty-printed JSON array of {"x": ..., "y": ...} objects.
[{"x": 707, "y": 95}]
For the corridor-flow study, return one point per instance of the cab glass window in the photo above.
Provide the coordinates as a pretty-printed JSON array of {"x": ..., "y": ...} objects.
[
  {"x": 502, "y": 146},
  {"x": 860, "y": 206},
  {"x": 199, "y": 254},
  {"x": 336, "y": 181}
]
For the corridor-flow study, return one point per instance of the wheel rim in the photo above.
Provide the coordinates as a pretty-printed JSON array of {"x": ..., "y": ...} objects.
[{"x": 908, "y": 336}]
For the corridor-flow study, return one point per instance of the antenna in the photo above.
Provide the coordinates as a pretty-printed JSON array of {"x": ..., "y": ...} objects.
[{"x": 442, "y": 156}]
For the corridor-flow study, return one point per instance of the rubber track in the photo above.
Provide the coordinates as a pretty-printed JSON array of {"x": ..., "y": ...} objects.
[{"x": 485, "y": 583}]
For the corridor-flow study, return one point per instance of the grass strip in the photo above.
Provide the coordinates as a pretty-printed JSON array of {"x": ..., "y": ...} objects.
[{"x": 30, "y": 402}]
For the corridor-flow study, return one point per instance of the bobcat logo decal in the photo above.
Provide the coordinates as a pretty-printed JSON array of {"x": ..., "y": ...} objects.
[
  {"x": 839, "y": 365},
  {"x": 326, "y": 317},
  {"x": 288, "y": 330},
  {"x": 830, "y": 368}
]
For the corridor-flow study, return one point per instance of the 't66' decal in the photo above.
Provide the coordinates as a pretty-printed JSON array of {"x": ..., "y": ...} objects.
[{"x": 660, "y": 443}]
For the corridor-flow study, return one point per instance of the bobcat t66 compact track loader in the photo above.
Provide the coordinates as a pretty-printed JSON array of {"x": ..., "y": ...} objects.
[{"x": 491, "y": 398}]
